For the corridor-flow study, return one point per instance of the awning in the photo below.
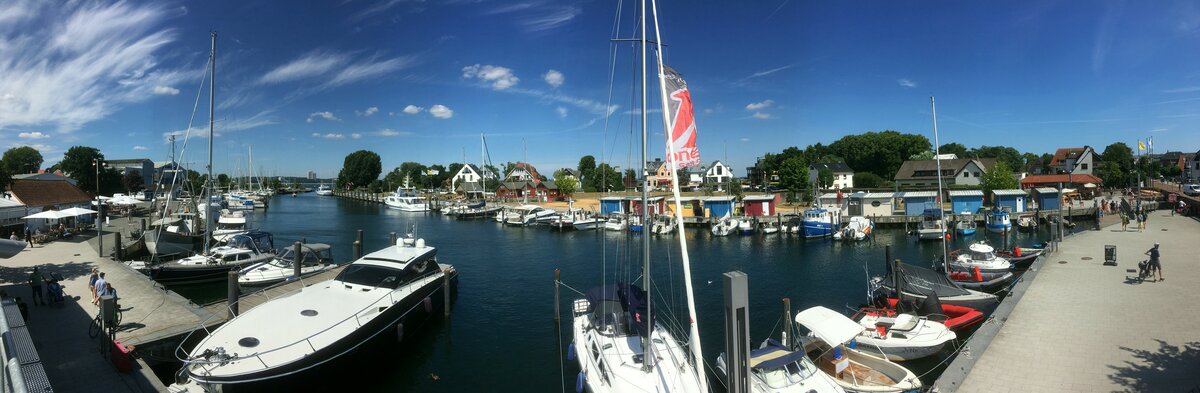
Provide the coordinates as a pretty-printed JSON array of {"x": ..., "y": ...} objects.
[
  {"x": 828, "y": 325},
  {"x": 78, "y": 211},
  {"x": 53, "y": 214}
]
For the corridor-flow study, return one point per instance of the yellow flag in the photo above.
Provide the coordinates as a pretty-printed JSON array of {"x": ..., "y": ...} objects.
[{"x": 1141, "y": 146}]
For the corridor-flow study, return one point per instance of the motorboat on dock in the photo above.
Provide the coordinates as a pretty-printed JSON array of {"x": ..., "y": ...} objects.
[
  {"x": 956, "y": 318},
  {"x": 1027, "y": 223},
  {"x": 315, "y": 258},
  {"x": 1022, "y": 257},
  {"x": 174, "y": 235},
  {"x": 853, "y": 369},
  {"x": 385, "y": 295},
  {"x": 406, "y": 199}
]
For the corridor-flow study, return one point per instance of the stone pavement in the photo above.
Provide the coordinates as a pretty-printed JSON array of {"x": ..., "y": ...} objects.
[{"x": 1085, "y": 327}]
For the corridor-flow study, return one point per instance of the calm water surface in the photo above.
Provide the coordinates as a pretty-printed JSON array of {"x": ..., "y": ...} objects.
[{"x": 501, "y": 335}]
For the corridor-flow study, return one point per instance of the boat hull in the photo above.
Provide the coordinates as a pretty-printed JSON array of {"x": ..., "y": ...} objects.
[
  {"x": 817, "y": 229},
  {"x": 403, "y": 318},
  {"x": 930, "y": 234},
  {"x": 999, "y": 228}
]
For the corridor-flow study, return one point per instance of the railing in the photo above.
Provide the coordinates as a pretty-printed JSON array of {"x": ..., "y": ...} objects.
[
  {"x": 390, "y": 296},
  {"x": 11, "y": 379}
]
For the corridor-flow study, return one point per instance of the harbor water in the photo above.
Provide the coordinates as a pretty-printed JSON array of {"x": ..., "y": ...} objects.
[{"x": 502, "y": 336}]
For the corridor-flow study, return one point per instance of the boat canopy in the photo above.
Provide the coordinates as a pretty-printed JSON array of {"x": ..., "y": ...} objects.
[
  {"x": 828, "y": 325},
  {"x": 982, "y": 248},
  {"x": 609, "y": 300},
  {"x": 773, "y": 355},
  {"x": 919, "y": 280},
  {"x": 256, "y": 240}
]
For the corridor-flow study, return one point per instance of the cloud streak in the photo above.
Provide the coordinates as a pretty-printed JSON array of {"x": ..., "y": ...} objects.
[
  {"x": 327, "y": 115},
  {"x": 905, "y": 82}
]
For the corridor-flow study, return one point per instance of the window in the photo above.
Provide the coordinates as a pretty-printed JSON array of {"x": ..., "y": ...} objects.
[
  {"x": 977, "y": 174},
  {"x": 875, "y": 203},
  {"x": 1083, "y": 166},
  {"x": 966, "y": 174}
]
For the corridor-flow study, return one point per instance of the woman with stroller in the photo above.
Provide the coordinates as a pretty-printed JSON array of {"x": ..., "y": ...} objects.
[{"x": 1155, "y": 266}]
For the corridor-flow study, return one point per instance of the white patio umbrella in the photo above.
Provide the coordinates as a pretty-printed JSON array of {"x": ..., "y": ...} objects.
[
  {"x": 77, "y": 211},
  {"x": 54, "y": 214}
]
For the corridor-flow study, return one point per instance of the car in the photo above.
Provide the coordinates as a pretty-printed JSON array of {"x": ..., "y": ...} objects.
[{"x": 1192, "y": 189}]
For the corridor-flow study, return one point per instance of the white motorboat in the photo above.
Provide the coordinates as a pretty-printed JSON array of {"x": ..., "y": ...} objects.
[
  {"x": 615, "y": 224},
  {"x": 981, "y": 256},
  {"x": 324, "y": 190},
  {"x": 385, "y": 295},
  {"x": 966, "y": 227},
  {"x": 663, "y": 225},
  {"x": 528, "y": 215},
  {"x": 902, "y": 336},
  {"x": 858, "y": 228},
  {"x": 745, "y": 227},
  {"x": 933, "y": 226},
  {"x": 406, "y": 199},
  {"x": 774, "y": 368},
  {"x": 725, "y": 226},
  {"x": 588, "y": 223},
  {"x": 228, "y": 225},
  {"x": 241, "y": 251},
  {"x": 854, "y": 370},
  {"x": 315, "y": 258},
  {"x": 770, "y": 228}
]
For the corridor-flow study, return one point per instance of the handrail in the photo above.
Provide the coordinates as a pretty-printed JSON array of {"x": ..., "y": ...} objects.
[{"x": 426, "y": 280}]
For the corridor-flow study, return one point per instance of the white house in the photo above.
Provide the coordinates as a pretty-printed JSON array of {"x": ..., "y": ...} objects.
[
  {"x": 843, "y": 176},
  {"x": 1192, "y": 168},
  {"x": 1075, "y": 160},
  {"x": 718, "y": 173},
  {"x": 924, "y": 173},
  {"x": 467, "y": 174}
]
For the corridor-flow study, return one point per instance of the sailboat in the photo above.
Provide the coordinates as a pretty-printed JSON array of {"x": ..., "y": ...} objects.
[{"x": 620, "y": 345}]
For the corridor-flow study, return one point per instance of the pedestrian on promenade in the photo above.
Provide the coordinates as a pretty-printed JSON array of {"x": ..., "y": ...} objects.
[
  {"x": 1141, "y": 221},
  {"x": 28, "y": 237},
  {"x": 100, "y": 283},
  {"x": 1154, "y": 263},
  {"x": 1124, "y": 222},
  {"x": 92, "y": 282},
  {"x": 35, "y": 283}
]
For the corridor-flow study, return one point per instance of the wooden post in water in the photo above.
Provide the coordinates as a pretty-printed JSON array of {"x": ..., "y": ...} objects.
[
  {"x": 446, "y": 290},
  {"x": 787, "y": 323},
  {"x": 143, "y": 225},
  {"x": 357, "y": 249},
  {"x": 391, "y": 239},
  {"x": 233, "y": 294},
  {"x": 296, "y": 258},
  {"x": 359, "y": 239},
  {"x": 556, "y": 301}
]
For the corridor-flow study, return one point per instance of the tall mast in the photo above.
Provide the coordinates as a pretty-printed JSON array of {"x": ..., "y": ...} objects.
[
  {"x": 668, "y": 128},
  {"x": 482, "y": 161},
  {"x": 648, "y": 354},
  {"x": 938, "y": 157},
  {"x": 208, "y": 217}
]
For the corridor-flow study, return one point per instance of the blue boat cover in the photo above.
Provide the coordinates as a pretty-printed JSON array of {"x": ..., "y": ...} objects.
[
  {"x": 631, "y": 298},
  {"x": 775, "y": 355}
]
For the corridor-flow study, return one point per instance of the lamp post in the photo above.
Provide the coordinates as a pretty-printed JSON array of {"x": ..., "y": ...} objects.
[{"x": 97, "y": 163}]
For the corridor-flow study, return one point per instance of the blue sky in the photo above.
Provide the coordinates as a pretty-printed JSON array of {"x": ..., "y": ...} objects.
[{"x": 306, "y": 83}]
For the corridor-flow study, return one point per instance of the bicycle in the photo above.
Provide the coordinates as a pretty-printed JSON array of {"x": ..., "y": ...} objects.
[{"x": 94, "y": 328}]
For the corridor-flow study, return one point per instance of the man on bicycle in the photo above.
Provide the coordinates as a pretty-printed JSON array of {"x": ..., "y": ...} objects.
[{"x": 1154, "y": 264}]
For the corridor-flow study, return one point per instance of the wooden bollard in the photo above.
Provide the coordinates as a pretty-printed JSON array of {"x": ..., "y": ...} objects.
[
  {"x": 787, "y": 322},
  {"x": 391, "y": 239},
  {"x": 296, "y": 258},
  {"x": 118, "y": 252},
  {"x": 233, "y": 294},
  {"x": 357, "y": 249},
  {"x": 556, "y": 301}
]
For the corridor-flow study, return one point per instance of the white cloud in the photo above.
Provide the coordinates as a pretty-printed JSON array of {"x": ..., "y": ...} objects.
[
  {"x": 165, "y": 90},
  {"x": 754, "y": 106},
  {"x": 309, "y": 65},
  {"x": 369, "y": 69},
  {"x": 70, "y": 63},
  {"x": 906, "y": 83},
  {"x": 336, "y": 69},
  {"x": 761, "y": 116},
  {"x": 259, "y": 119},
  {"x": 327, "y": 115},
  {"x": 140, "y": 148},
  {"x": 744, "y": 139},
  {"x": 328, "y": 136},
  {"x": 500, "y": 77},
  {"x": 391, "y": 132},
  {"x": 562, "y": 112},
  {"x": 413, "y": 109},
  {"x": 441, "y": 111},
  {"x": 32, "y": 135},
  {"x": 539, "y": 16},
  {"x": 554, "y": 78},
  {"x": 370, "y": 111},
  {"x": 356, "y": 135}
]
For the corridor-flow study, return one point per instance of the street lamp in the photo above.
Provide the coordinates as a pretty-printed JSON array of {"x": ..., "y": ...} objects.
[{"x": 97, "y": 163}]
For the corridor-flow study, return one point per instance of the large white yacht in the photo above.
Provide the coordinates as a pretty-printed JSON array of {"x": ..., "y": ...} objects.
[
  {"x": 385, "y": 294},
  {"x": 405, "y": 198}
]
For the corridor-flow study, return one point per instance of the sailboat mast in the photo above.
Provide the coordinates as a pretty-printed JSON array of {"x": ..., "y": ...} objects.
[
  {"x": 668, "y": 129},
  {"x": 646, "y": 343},
  {"x": 938, "y": 157},
  {"x": 208, "y": 217}
]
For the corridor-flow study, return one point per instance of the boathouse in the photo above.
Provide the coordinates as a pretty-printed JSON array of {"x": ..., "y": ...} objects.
[
  {"x": 657, "y": 205},
  {"x": 692, "y": 206},
  {"x": 878, "y": 204},
  {"x": 1010, "y": 200},
  {"x": 1047, "y": 198},
  {"x": 719, "y": 206},
  {"x": 966, "y": 201},
  {"x": 760, "y": 205},
  {"x": 611, "y": 205},
  {"x": 835, "y": 201},
  {"x": 915, "y": 202}
]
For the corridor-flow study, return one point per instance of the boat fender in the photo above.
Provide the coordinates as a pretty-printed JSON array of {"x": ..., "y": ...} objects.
[
  {"x": 580, "y": 379},
  {"x": 978, "y": 276},
  {"x": 400, "y": 331},
  {"x": 428, "y": 304},
  {"x": 1017, "y": 250},
  {"x": 571, "y": 352}
]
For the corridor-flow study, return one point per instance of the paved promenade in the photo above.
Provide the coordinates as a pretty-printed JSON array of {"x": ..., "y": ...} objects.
[{"x": 1085, "y": 327}]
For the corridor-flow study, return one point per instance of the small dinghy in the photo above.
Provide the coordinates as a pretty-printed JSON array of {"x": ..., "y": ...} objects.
[
  {"x": 900, "y": 336},
  {"x": 956, "y": 318},
  {"x": 966, "y": 227},
  {"x": 854, "y": 370},
  {"x": 858, "y": 228},
  {"x": 724, "y": 226},
  {"x": 980, "y": 281},
  {"x": 1027, "y": 224}
]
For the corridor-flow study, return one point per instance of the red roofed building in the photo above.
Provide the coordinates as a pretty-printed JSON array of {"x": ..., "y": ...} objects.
[
  {"x": 1077, "y": 160},
  {"x": 1067, "y": 180}
]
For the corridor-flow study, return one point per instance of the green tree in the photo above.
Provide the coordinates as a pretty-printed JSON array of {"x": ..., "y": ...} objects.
[
  {"x": 606, "y": 179},
  {"x": 954, "y": 148},
  {"x": 923, "y": 156},
  {"x": 868, "y": 180},
  {"x": 824, "y": 178},
  {"x": 132, "y": 182},
  {"x": 223, "y": 181},
  {"x": 20, "y": 160},
  {"x": 566, "y": 183},
  {"x": 1121, "y": 158},
  {"x": 587, "y": 165},
  {"x": 1112, "y": 174},
  {"x": 5, "y": 178},
  {"x": 78, "y": 164},
  {"x": 1000, "y": 177},
  {"x": 880, "y": 153},
  {"x": 359, "y": 169},
  {"x": 793, "y": 176},
  {"x": 1008, "y": 155}
]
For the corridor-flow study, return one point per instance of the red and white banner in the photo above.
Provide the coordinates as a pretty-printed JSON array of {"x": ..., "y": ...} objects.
[{"x": 682, "y": 120}]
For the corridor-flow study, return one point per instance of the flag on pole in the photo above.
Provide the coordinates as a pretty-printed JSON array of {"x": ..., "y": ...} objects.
[
  {"x": 682, "y": 120},
  {"x": 1150, "y": 143},
  {"x": 1141, "y": 146}
]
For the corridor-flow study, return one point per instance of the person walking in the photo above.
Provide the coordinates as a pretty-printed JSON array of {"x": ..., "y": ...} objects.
[
  {"x": 97, "y": 287},
  {"x": 1154, "y": 263},
  {"x": 35, "y": 283},
  {"x": 1124, "y": 222},
  {"x": 92, "y": 282}
]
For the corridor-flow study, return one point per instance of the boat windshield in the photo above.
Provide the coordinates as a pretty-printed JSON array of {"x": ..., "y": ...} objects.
[
  {"x": 371, "y": 275},
  {"x": 982, "y": 256},
  {"x": 787, "y": 375}
]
